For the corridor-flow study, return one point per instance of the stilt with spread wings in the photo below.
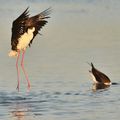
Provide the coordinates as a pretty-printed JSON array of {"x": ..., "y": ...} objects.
[{"x": 24, "y": 30}]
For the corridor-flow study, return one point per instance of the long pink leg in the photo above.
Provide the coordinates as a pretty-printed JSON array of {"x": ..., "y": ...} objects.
[
  {"x": 22, "y": 65},
  {"x": 18, "y": 72}
]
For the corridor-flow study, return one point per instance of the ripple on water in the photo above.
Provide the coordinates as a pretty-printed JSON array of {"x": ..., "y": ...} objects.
[{"x": 56, "y": 103}]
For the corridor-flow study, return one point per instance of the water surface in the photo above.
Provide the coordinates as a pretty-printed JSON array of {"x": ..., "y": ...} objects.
[{"x": 79, "y": 31}]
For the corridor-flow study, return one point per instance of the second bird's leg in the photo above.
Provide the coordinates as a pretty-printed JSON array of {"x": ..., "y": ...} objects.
[
  {"x": 18, "y": 72},
  {"x": 22, "y": 65}
]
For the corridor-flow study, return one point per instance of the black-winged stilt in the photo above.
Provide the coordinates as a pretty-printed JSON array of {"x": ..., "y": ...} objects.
[
  {"x": 24, "y": 30},
  {"x": 99, "y": 77}
]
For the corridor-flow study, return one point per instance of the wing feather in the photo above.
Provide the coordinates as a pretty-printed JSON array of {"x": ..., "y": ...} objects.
[
  {"x": 24, "y": 22},
  {"x": 18, "y": 28},
  {"x": 38, "y": 21}
]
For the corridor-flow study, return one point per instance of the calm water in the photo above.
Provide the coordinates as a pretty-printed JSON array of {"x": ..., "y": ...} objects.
[{"x": 79, "y": 31}]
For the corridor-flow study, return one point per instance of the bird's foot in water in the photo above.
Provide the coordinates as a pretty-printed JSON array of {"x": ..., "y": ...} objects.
[
  {"x": 18, "y": 87},
  {"x": 28, "y": 87}
]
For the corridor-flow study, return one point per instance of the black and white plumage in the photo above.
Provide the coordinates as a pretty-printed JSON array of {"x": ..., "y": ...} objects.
[
  {"x": 24, "y": 30},
  {"x": 99, "y": 77}
]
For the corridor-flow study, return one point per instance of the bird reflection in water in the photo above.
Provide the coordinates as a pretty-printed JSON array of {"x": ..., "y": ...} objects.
[
  {"x": 20, "y": 115},
  {"x": 20, "y": 112},
  {"x": 97, "y": 86}
]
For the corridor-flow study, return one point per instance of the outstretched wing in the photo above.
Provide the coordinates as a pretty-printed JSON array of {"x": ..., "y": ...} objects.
[
  {"x": 38, "y": 21},
  {"x": 18, "y": 28}
]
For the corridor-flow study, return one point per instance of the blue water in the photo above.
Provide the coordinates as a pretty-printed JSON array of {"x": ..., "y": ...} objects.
[{"x": 79, "y": 31}]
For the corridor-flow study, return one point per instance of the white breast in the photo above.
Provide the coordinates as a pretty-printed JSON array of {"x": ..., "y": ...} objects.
[{"x": 25, "y": 39}]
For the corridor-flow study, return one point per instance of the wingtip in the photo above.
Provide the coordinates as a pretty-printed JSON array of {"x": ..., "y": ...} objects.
[
  {"x": 27, "y": 7},
  {"x": 90, "y": 71},
  {"x": 88, "y": 63},
  {"x": 49, "y": 9},
  {"x": 92, "y": 65},
  {"x": 26, "y": 10},
  {"x": 47, "y": 12}
]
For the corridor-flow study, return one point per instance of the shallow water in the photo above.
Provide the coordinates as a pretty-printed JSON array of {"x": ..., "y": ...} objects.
[{"x": 78, "y": 32}]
